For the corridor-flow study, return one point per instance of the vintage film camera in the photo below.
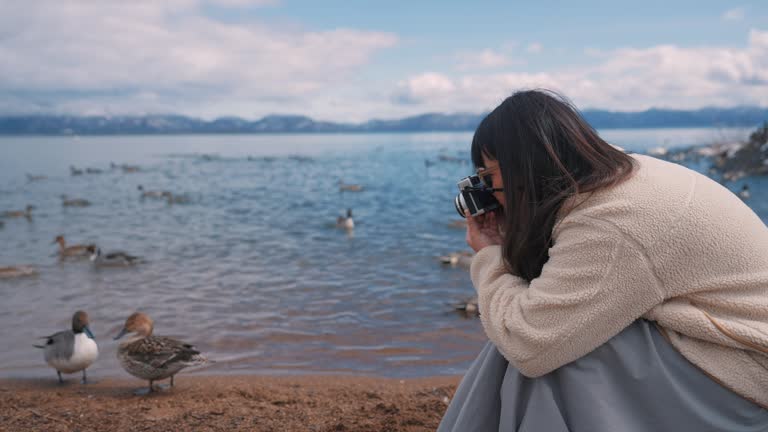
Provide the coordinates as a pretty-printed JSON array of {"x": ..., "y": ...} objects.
[{"x": 474, "y": 196}]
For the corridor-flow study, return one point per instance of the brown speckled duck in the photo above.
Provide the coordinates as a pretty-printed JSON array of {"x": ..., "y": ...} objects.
[
  {"x": 73, "y": 251},
  {"x": 17, "y": 271},
  {"x": 151, "y": 357}
]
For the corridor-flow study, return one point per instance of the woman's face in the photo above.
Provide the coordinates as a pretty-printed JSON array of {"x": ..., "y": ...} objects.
[{"x": 493, "y": 176}]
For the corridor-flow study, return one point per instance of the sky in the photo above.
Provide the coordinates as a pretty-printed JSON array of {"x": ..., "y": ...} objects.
[{"x": 351, "y": 61}]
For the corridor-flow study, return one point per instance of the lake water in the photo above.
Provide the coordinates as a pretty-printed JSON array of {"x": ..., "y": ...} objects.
[{"x": 253, "y": 270}]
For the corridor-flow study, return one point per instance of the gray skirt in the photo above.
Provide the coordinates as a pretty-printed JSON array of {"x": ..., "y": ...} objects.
[{"x": 634, "y": 382}]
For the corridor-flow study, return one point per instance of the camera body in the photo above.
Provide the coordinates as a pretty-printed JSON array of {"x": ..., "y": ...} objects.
[{"x": 474, "y": 197}]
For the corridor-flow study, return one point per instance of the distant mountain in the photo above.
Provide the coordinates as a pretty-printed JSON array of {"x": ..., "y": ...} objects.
[{"x": 176, "y": 124}]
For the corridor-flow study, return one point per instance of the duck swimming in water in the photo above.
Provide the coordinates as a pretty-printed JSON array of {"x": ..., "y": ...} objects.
[
  {"x": 113, "y": 259},
  {"x": 349, "y": 187},
  {"x": 73, "y": 251},
  {"x": 346, "y": 222},
  {"x": 71, "y": 351},
  {"x": 744, "y": 192},
  {"x": 17, "y": 271},
  {"x": 152, "y": 193},
  {"x": 27, "y": 213},
  {"x": 461, "y": 259},
  {"x": 150, "y": 357},
  {"x": 469, "y": 307},
  {"x": 74, "y": 202}
]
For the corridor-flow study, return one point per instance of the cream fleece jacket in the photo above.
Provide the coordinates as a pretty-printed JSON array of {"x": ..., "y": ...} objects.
[{"x": 669, "y": 245}]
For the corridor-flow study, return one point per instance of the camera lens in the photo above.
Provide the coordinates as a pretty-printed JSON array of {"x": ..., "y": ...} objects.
[{"x": 460, "y": 204}]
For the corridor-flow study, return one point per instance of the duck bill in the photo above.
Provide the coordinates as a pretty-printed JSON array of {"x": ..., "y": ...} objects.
[
  {"x": 88, "y": 332},
  {"x": 121, "y": 334}
]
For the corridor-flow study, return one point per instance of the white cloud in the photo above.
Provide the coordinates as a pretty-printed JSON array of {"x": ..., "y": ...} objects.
[
  {"x": 485, "y": 59},
  {"x": 735, "y": 14},
  {"x": 428, "y": 86},
  {"x": 109, "y": 52},
  {"x": 625, "y": 79},
  {"x": 145, "y": 56},
  {"x": 535, "y": 48}
]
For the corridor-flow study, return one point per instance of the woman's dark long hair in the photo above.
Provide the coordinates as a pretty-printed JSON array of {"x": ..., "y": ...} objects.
[{"x": 547, "y": 153}]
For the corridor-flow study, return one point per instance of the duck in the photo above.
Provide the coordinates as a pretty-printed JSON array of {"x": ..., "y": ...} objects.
[
  {"x": 130, "y": 169},
  {"x": 113, "y": 259},
  {"x": 74, "y": 202},
  {"x": 26, "y": 213},
  {"x": 150, "y": 357},
  {"x": 349, "y": 187},
  {"x": 93, "y": 171},
  {"x": 152, "y": 193},
  {"x": 75, "y": 171},
  {"x": 461, "y": 259},
  {"x": 469, "y": 307},
  {"x": 744, "y": 192},
  {"x": 17, "y": 271},
  {"x": 71, "y": 351},
  {"x": 74, "y": 251},
  {"x": 346, "y": 222}
]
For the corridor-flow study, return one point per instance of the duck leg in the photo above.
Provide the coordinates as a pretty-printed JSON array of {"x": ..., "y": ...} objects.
[
  {"x": 61, "y": 381},
  {"x": 85, "y": 379},
  {"x": 171, "y": 380},
  {"x": 151, "y": 389}
]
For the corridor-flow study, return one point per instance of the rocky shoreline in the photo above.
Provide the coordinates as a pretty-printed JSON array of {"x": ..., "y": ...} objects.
[{"x": 728, "y": 161}]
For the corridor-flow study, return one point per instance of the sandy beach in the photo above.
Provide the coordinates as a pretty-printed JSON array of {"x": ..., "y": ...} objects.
[{"x": 224, "y": 403}]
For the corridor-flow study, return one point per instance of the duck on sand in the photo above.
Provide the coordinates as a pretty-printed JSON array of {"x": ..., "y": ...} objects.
[
  {"x": 150, "y": 357},
  {"x": 71, "y": 351}
]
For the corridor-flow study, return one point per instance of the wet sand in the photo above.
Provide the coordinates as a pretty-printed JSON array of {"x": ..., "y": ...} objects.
[{"x": 224, "y": 403}]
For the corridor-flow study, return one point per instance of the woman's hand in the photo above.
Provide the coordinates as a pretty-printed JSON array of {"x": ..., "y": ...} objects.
[{"x": 482, "y": 231}]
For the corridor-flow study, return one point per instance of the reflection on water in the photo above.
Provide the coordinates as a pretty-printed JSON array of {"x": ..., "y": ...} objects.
[{"x": 252, "y": 268}]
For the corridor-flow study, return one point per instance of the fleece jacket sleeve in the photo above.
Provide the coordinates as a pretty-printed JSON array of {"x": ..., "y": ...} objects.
[{"x": 596, "y": 282}]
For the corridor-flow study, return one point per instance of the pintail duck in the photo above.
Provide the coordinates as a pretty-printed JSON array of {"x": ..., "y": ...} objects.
[
  {"x": 75, "y": 171},
  {"x": 74, "y": 202},
  {"x": 153, "y": 358},
  {"x": 71, "y": 351},
  {"x": 27, "y": 213},
  {"x": 152, "y": 193},
  {"x": 744, "y": 192},
  {"x": 461, "y": 259},
  {"x": 74, "y": 251},
  {"x": 17, "y": 271},
  {"x": 349, "y": 187},
  {"x": 93, "y": 171},
  {"x": 113, "y": 259},
  {"x": 346, "y": 222}
]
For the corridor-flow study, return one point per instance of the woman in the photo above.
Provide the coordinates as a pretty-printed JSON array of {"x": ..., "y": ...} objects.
[{"x": 619, "y": 292}]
